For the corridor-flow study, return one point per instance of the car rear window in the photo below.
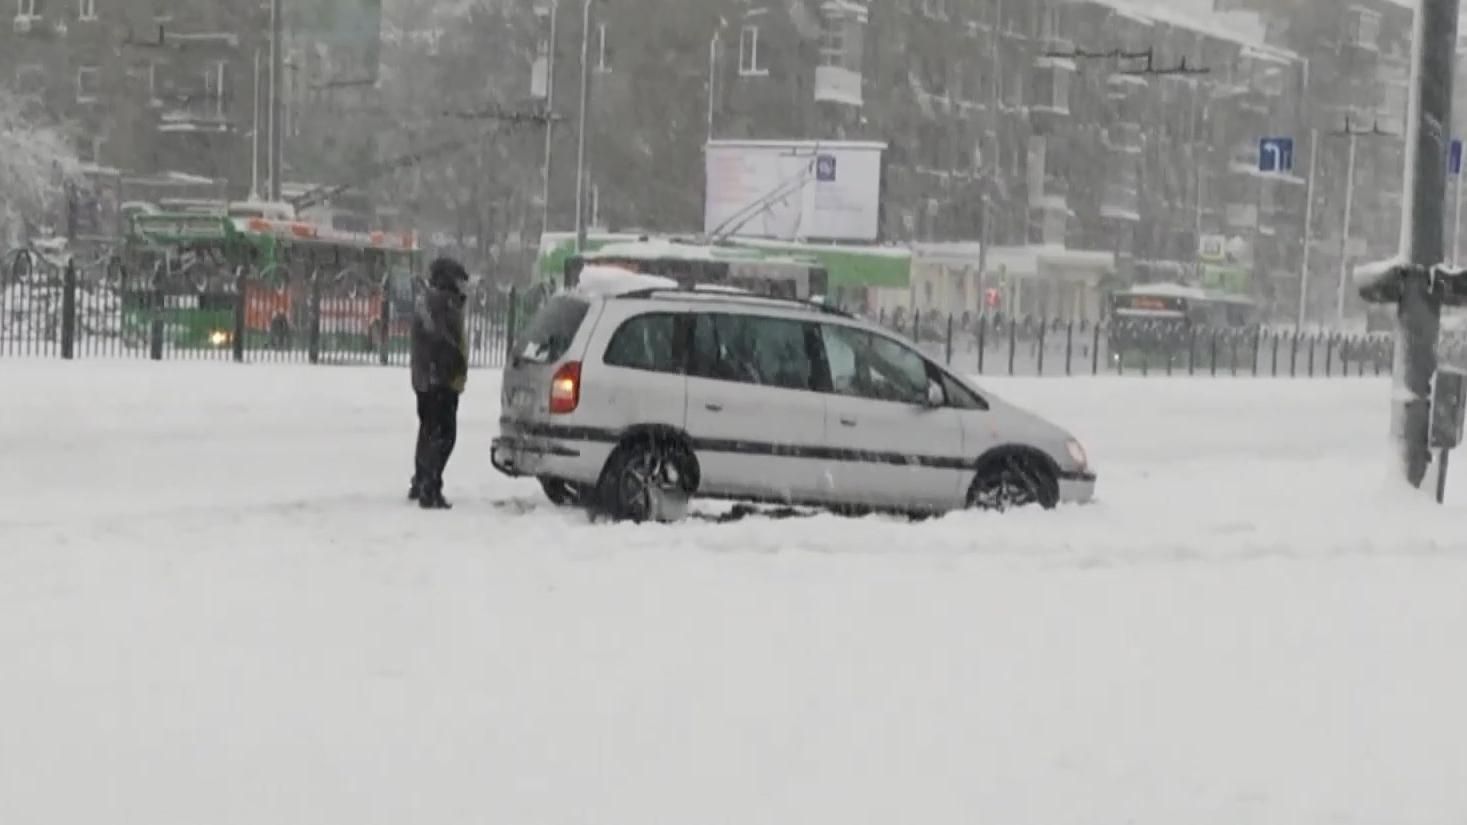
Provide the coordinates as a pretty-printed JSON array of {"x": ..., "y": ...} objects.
[{"x": 552, "y": 329}]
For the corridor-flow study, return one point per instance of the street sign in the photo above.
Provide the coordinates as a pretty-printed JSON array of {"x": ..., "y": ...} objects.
[
  {"x": 1454, "y": 158},
  {"x": 1276, "y": 154}
]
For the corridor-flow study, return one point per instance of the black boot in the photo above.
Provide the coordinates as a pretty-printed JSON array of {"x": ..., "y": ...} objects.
[{"x": 433, "y": 500}]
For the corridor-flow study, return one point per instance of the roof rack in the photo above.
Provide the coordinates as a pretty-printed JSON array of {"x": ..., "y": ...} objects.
[{"x": 720, "y": 292}]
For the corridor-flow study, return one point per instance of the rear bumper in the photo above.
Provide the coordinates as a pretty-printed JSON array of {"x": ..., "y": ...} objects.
[
  {"x": 517, "y": 454},
  {"x": 1077, "y": 488}
]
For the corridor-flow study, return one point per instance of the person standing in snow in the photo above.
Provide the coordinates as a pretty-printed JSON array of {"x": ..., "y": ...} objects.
[{"x": 440, "y": 369}]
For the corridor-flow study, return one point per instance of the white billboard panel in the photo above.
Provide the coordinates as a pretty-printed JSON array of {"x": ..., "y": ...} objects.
[{"x": 794, "y": 190}]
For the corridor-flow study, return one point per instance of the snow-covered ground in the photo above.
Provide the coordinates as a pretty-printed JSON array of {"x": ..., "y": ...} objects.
[{"x": 215, "y": 607}]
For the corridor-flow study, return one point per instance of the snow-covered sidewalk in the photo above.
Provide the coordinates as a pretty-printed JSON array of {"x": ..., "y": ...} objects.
[{"x": 215, "y": 607}]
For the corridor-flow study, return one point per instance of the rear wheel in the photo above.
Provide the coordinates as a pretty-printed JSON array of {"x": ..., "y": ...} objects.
[
  {"x": 647, "y": 479},
  {"x": 1013, "y": 480},
  {"x": 562, "y": 493}
]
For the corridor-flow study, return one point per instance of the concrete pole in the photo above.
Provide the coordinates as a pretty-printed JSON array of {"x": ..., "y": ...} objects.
[
  {"x": 549, "y": 122},
  {"x": 1418, "y": 316},
  {"x": 277, "y": 97},
  {"x": 1345, "y": 234},
  {"x": 581, "y": 138},
  {"x": 1308, "y": 226}
]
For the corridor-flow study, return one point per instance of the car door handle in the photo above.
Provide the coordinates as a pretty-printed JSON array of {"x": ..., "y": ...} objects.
[
  {"x": 848, "y": 422},
  {"x": 713, "y": 407}
]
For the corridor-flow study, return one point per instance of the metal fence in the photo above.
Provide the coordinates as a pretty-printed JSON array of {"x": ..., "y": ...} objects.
[
  {"x": 995, "y": 345},
  {"x": 103, "y": 314}
]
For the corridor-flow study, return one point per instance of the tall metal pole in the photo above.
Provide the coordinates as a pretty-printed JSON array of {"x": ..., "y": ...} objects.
[
  {"x": 581, "y": 138},
  {"x": 277, "y": 73},
  {"x": 255, "y": 136},
  {"x": 1308, "y": 225},
  {"x": 549, "y": 122},
  {"x": 1345, "y": 234},
  {"x": 712, "y": 78},
  {"x": 1457, "y": 221},
  {"x": 1418, "y": 316}
]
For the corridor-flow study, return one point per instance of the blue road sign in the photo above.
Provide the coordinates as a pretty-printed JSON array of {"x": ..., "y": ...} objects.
[
  {"x": 1276, "y": 154},
  {"x": 1454, "y": 158}
]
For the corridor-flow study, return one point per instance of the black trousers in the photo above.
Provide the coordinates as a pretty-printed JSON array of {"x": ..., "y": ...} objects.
[{"x": 437, "y": 433}]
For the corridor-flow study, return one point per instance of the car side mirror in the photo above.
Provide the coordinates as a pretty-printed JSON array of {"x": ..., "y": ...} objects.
[{"x": 936, "y": 395}]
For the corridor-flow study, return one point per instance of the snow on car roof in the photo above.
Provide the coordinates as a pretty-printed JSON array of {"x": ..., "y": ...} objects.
[{"x": 601, "y": 279}]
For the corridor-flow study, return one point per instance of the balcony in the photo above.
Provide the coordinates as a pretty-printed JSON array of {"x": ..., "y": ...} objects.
[
  {"x": 837, "y": 84},
  {"x": 1121, "y": 202}
]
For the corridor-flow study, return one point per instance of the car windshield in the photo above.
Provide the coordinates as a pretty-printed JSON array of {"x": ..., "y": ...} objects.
[{"x": 552, "y": 329}]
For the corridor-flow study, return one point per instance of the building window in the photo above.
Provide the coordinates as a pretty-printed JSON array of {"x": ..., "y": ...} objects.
[
  {"x": 603, "y": 54},
  {"x": 935, "y": 8},
  {"x": 86, "y": 84},
  {"x": 1365, "y": 28},
  {"x": 749, "y": 52},
  {"x": 86, "y": 10},
  {"x": 842, "y": 39},
  {"x": 27, "y": 8},
  {"x": 1052, "y": 86}
]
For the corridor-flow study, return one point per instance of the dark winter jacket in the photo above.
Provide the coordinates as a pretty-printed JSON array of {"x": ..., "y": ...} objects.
[{"x": 440, "y": 351}]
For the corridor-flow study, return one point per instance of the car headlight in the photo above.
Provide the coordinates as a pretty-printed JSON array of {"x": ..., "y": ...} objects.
[{"x": 1077, "y": 452}]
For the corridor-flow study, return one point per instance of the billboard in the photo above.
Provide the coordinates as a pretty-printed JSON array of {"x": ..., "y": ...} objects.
[
  {"x": 349, "y": 30},
  {"x": 793, "y": 190}
]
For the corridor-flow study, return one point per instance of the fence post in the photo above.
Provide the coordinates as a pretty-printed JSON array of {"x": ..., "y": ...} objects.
[
  {"x": 1233, "y": 354},
  {"x": 916, "y": 326},
  {"x": 949, "y": 339},
  {"x": 1257, "y": 349},
  {"x": 1311, "y": 356},
  {"x": 1013, "y": 342},
  {"x": 1294, "y": 355},
  {"x": 155, "y": 325},
  {"x": 1329, "y": 356},
  {"x": 1191, "y": 350},
  {"x": 313, "y": 328},
  {"x": 1069, "y": 346},
  {"x": 1043, "y": 333},
  {"x": 511, "y": 318},
  {"x": 68, "y": 312},
  {"x": 1275, "y": 369},
  {"x": 1095, "y": 351},
  {"x": 982, "y": 339},
  {"x": 241, "y": 297},
  {"x": 384, "y": 319}
]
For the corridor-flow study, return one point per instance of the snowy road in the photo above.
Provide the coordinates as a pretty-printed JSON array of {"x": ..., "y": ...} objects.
[{"x": 216, "y": 608}]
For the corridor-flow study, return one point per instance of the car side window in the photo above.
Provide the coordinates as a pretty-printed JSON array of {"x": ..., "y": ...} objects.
[
  {"x": 872, "y": 366},
  {"x": 748, "y": 349},
  {"x": 645, "y": 342}
]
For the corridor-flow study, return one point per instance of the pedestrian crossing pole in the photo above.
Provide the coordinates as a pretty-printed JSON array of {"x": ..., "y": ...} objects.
[{"x": 1416, "y": 282}]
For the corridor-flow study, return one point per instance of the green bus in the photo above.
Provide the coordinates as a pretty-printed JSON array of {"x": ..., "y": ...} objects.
[{"x": 185, "y": 269}]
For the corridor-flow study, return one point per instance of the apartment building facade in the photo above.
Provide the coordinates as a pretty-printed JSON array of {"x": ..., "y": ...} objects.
[
  {"x": 157, "y": 96},
  {"x": 1018, "y": 159}
]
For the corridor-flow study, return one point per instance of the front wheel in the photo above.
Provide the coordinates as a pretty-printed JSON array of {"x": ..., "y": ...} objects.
[{"x": 1012, "y": 481}]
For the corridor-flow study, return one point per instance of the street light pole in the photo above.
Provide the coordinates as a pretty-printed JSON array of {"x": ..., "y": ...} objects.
[
  {"x": 581, "y": 138},
  {"x": 549, "y": 122},
  {"x": 277, "y": 72},
  {"x": 712, "y": 78},
  {"x": 1308, "y": 225},
  {"x": 1345, "y": 234}
]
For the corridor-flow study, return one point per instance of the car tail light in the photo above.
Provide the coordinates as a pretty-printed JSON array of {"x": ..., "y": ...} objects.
[{"x": 565, "y": 388}]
